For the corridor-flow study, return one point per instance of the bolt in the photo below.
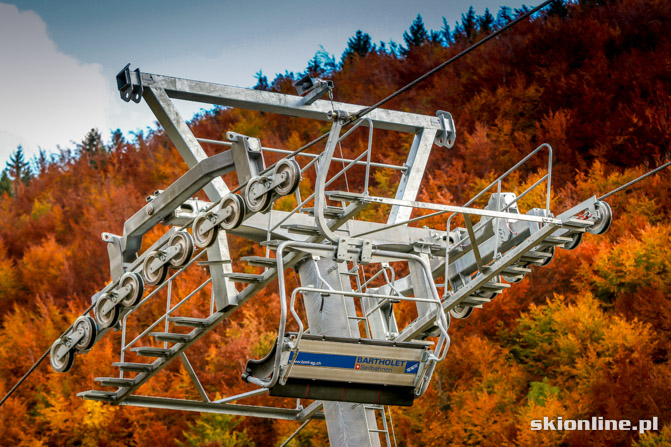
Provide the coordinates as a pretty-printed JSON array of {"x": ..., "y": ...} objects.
[{"x": 149, "y": 209}]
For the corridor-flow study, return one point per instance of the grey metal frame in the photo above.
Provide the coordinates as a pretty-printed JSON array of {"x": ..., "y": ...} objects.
[{"x": 297, "y": 235}]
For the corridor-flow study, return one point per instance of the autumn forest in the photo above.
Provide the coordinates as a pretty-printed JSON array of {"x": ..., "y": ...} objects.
[{"x": 588, "y": 335}]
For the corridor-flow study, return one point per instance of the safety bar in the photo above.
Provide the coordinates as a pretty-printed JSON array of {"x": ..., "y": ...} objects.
[{"x": 441, "y": 347}]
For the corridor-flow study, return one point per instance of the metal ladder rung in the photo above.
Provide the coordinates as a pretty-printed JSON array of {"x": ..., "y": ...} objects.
[
  {"x": 115, "y": 381},
  {"x": 98, "y": 395},
  {"x": 556, "y": 240},
  {"x": 170, "y": 337},
  {"x": 259, "y": 261},
  {"x": 345, "y": 196},
  {"x": 272, "y": 243},
  {"x": 301, "y": 229},
  {"x": 146, "y": 351},
  {"x": 577, "y": 225},
  {"x": 243, "y": 277},
  {"x": 535, "y": 257},
  {"x": 134, "y": 367},
  {"x": 494, "y": 286},
  {"x": 515, "y": 270},
  {"x": 473, "y": 300},
  {"x": 334, "y": 212},
  {"x": 377, "y": 430},
  {"x": 189, "y": 321}
]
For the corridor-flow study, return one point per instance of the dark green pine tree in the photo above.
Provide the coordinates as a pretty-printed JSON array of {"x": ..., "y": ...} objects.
[
  {"x": 18, "y": 169},
  {"x": 447, "y": 33},
  {"x": 486, "y": 22},
  {"x": 5, "y": 183},
  {"x": 360, "y": 44},
  {"x": 504, "y": 16},
  {"x": 118, "y": 140},
  {"x": 415, "y": 36},
  {"x": 469, "y": 24},
  {"x": 92, "y": 143},
  {"x": 314, "y": 67},
  {"x": 261, "y": 81}
]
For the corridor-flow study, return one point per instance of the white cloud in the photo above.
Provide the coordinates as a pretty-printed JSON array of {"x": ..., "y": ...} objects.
[{"x": 47, "y": 98}]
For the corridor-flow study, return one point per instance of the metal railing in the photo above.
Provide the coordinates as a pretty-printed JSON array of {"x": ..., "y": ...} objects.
[
  {"x": 169, "y": 308},
  {"x": 498, "y": 182},
  {"x": 442, "y": 321}
]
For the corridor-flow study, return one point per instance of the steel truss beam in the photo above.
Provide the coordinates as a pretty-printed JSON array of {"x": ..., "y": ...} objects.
[{"x": 291, "y": 105}]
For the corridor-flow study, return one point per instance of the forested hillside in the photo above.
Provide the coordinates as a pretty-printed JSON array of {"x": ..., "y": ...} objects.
[{"x": 588, "y": 335}]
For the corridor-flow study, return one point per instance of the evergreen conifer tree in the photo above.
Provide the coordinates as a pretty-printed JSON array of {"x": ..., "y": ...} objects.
[
  {"x": 416, "y": 35},
  {"x": 360, "y": 44}
]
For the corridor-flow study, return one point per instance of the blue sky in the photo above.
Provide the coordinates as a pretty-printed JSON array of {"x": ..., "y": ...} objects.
[{"x": 60, "y": 58}]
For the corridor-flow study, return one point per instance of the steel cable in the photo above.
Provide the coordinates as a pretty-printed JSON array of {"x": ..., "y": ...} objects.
[
  {"x": 37, "y": 363},
  {"x": 355, "y": 117},
  {"x": 627, "y": 185}
]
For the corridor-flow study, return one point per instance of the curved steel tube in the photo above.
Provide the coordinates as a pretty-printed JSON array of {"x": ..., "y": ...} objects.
[{"x": 441, "y": 320}]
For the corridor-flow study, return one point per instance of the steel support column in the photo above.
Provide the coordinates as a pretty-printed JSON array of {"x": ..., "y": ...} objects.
[{"x": 327, "y": 315}]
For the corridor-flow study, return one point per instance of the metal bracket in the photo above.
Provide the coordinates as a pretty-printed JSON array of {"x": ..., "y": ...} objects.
[
  {"x": 341, "y": 252},
  {"x": 128, "y": 90},
  {"x": 446, "y": 136},
  {"x": 312, "y": 88},
  {"x": 366, "y": 251},
  {"x": 424, "y": 247},
  {"x": 115, "y": 253},
  {"x": 247, "y": 156}
]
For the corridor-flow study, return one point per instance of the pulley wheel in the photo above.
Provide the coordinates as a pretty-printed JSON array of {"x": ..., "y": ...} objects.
[
  {"x": 292, "y": 172},
  {"x": 577, "y": 238},
  {"x": 260, "y": 203},
  {"x": 602, "y": 224},
  {"x": 88, "y": 326},
  {"x": 206, "y": 239},
  {"x": 156, "y": 277},
  {"x": 184, "y": 242},
  {"x": 237, "y": 205},
  {"x": 110, "y": 318},
  {"x": 461, "y": 312},
  {"x": 134, "y": 280},
  {"x": 64, "y": 363}
]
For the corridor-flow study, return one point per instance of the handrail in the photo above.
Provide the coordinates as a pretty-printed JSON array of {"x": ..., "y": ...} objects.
[
  {"x": 338, "y": 174},
  {"x": 125, "y": 346},
  {"x": 309, "y": 155},
  {"x": 498, "y": 182},
  {"x": 325, "y": 163}
]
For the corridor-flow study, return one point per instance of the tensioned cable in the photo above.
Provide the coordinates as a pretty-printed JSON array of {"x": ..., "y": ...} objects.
[
  {"x": 627, "y": 185},
  {"x": 366, "y": 110},
  {"x": 361, "y": 113},
  {"x": 37, "y": 363},
  {"x": 451, "y": 60}
]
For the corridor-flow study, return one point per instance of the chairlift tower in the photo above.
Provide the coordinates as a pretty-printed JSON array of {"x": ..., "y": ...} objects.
[{"x": 349, "y": 357}]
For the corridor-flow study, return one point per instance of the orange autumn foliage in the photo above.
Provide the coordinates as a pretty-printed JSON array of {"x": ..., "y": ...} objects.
[{"x": 588, "y": 335}]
